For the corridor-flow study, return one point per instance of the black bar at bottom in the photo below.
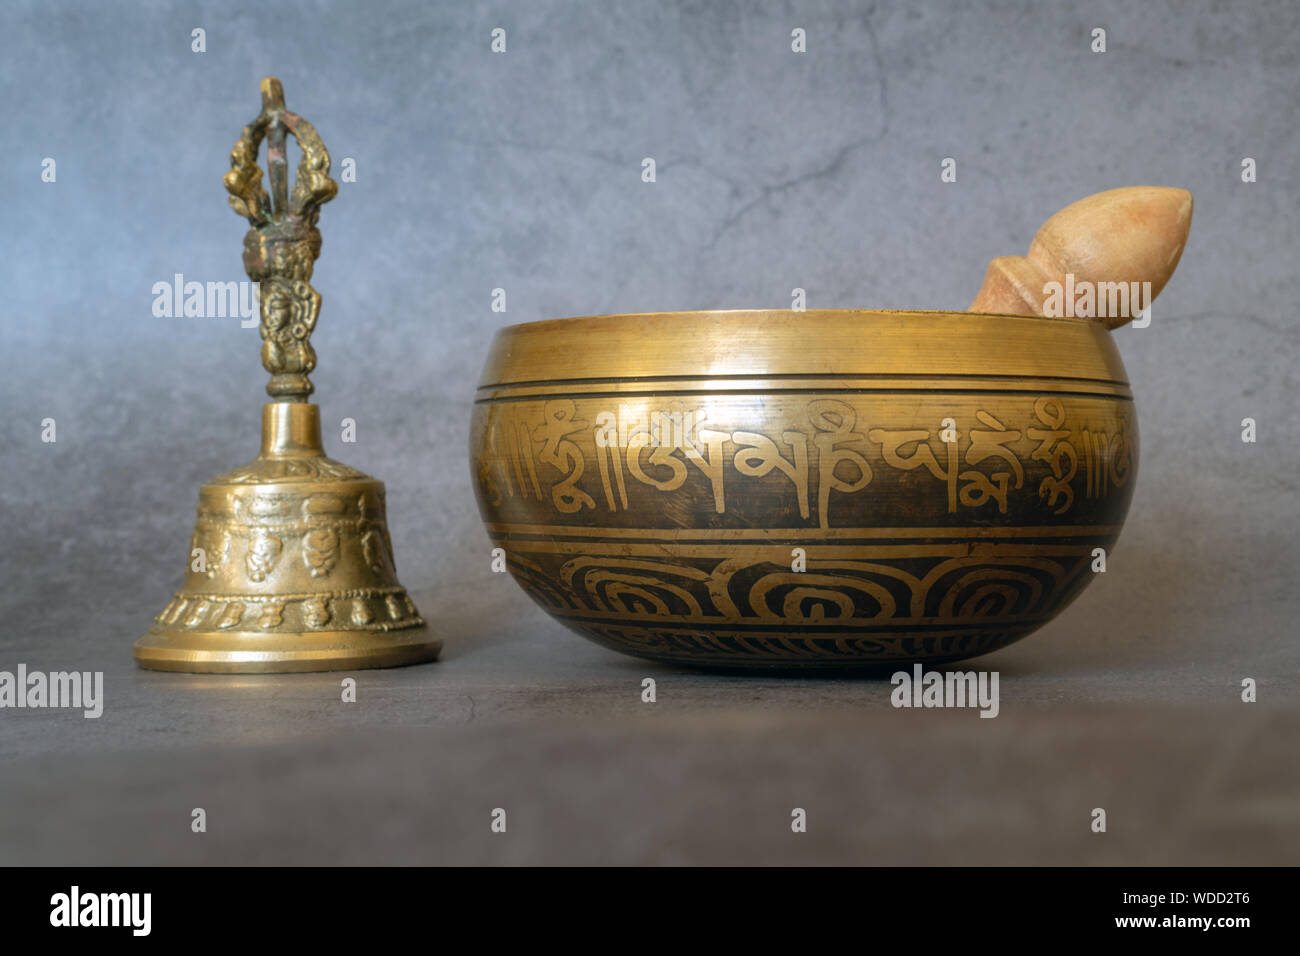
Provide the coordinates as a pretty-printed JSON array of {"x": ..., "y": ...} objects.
[{"x": 306, "y": 905}]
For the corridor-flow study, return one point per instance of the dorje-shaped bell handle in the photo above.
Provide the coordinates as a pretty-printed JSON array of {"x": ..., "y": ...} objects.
[{"x": 281, "y": 248}]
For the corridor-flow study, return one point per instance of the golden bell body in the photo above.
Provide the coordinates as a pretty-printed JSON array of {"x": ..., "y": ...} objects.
[
  {"x": 804, "y": 490},
  {"x": 291, "y": 568}
]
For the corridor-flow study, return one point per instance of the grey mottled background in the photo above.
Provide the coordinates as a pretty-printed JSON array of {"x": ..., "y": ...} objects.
[{"x": 522, "y": 171}]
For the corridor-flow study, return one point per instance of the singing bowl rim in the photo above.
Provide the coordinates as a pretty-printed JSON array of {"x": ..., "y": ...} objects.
[{"x": 735, "y": 343}]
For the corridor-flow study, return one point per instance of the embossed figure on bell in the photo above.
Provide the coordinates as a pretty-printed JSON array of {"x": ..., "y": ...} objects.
[{"x": 291, "y": 564}]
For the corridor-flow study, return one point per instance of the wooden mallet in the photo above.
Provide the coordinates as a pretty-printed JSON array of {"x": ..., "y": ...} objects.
[{"x": 1126, "y": 235}]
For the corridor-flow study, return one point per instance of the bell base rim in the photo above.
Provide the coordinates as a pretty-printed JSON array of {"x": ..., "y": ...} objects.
[{"x": 224, "y": 652}]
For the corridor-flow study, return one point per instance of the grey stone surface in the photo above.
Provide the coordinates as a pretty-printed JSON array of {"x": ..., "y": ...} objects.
[{"x": 522, "y": 171}]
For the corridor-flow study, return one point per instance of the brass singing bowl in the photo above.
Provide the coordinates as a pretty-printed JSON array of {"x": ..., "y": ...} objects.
[{"x": 804, "y": 490}]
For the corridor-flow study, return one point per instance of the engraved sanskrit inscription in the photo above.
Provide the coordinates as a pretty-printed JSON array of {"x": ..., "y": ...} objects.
[{"x": 1042, "y": 452}]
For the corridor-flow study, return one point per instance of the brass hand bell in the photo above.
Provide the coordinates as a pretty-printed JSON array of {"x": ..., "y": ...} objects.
[{"x": 291, "y": 565}]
